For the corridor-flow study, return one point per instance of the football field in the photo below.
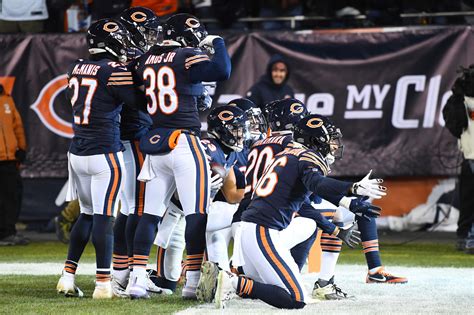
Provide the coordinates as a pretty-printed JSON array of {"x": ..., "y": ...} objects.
[{"x": 441, "y": 280}]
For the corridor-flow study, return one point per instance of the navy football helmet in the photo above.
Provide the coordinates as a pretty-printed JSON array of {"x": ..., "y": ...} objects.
[
  {"x": 258, "y": 124},
  {"x": 285, "y": 114},
  {"x": 320, "y": 134},
  {"x": 108, "y": 36},
  {"x": 230, "y": 125},
  {"x": 185, "y": 29},
  {"x": 143, "y": 25}
]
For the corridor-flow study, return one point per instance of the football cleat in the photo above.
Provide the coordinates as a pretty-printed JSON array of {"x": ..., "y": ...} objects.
[
  {"x": 224, "y": 290},
  {"x": 189, "y": 293},
  {"x": 103, "y": 290},
  {"x": 118, "y": 289},
  {"x": 207, "y": 284},
  {"x": 382, "y": 276},
  {"x": 151, "y": 286},
  {"x": 138, "y": 287},
  {"x": 68, "y": 288},
  {"x": 328, "y": 291}
]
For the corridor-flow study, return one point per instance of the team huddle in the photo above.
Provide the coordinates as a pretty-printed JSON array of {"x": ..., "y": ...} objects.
[{"x": 260, "y": 178}]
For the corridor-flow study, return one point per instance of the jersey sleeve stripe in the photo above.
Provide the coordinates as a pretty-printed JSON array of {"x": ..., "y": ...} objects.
[
  {"x": 120, "y": 73},
  {"x": 317, "y": 163},
  {"x": 121, "y": 83},
  {"x": 196, "y": 57},
  {"x": 120, "y": 78},
  {"x": 189, "y": 64}
]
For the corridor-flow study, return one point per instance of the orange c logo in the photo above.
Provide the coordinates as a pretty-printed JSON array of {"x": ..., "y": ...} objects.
[
  {"x": 296, "y": 108},
  {"x": 226, "y": 115},
  {"x": 110, "y": 27},
  {"x": 314, "y": 122},
  {"x": 192, "y": 23},
  {"x": 44, "y": 107},
  {"x": 138, "y": 16}
]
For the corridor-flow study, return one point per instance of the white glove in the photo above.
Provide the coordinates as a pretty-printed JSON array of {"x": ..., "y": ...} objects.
[
  {"x": 369, "y": 187},
  {"x": 216, "y": 182},
  {"x": 207, "y": 43}
]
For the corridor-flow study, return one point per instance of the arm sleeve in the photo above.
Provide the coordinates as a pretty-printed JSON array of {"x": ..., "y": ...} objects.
[
  {"x": 312, "y": 176},
  {"x": 239, "y": 178},
  {"x": 216, "y": 69},
  {"x": 18, "y": 129},
  {"x": 324, "y": 224},
  {"x": 123, "y": 86}
]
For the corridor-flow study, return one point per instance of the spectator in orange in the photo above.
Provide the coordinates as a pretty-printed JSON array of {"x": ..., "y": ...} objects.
[
  {"x": 162, "y": 8},
  {"x": 12, "y": 153}
]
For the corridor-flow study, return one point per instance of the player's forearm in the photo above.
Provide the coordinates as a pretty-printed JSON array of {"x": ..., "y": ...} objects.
[
  {"x": 217, "y": 69},
  {"x": 327, "y": 188}
]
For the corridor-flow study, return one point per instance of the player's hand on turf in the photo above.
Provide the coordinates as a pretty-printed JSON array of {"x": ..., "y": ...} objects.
[
  {"x": 350, "y": 236},
  {"x": 363, "y": 208},
  {"x": 369, "y": 187}
]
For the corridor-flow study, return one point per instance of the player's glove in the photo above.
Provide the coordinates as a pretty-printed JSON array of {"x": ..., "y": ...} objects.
[
  {"x": 350, "y": 236},
  {"x": 208, "y": 43},
  {"x": 204, "y": 101},
  {"x": 361, "y": 207},
  {"x": 369, "y": 187},
  {"x": 216, "y": 183}
]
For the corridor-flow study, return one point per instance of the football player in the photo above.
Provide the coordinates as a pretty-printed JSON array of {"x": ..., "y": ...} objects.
[
  {"x": 271, "y": 273},
  {"x": 143, "y": 26},
  {"x": 172, "y": 74},
  {"x": 228, "y": 128},
  {"x": 98, "y": 87}
]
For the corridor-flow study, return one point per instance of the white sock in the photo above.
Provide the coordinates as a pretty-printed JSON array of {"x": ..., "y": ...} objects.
[
  {"x": 192, "y": 278},
  {"x": 328, "y": 265},
  {"x": 235, "y": 282},
  {"x": 69, "y": 276},
  {"x": 121, "y": 276}
]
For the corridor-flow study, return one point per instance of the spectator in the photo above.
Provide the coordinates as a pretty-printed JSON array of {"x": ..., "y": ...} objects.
[
  {"x": 101, "y": 9},
  {"x": 272, "y": 85},
  {"x": 278, "y": 8},
  {"x": 22, "y": 16},
  {"x": 459, "y": 117},
  {"x": 162, "y": 8},
  {"x": 12, "y": 152}
]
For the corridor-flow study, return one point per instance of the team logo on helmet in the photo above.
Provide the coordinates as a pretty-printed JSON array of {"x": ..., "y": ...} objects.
[
  {"x": 314, "y": 122},
  {"x": 110, "y": 27},
  {"x": 296, "y": 108},
  {"x": 138, "y": 16},
  {"x": 154, "y": 139},
  {"x": 192, "y": 23},
  {"x": 226, "y": 115}
]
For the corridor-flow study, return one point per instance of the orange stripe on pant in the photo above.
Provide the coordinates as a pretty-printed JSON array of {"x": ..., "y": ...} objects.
[
  {"x": 141, "y": 185},
  {"x": 278, "y": 264},
  {"x": 114, "y": 185},
  {"x": 202, "y": 193}
]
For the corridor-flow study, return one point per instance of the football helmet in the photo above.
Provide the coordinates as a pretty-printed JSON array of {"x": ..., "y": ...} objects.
[
  {"x": 230, "y": 125},
  {"x": 143, "y": 26},
  {"x": 320, "y": 134},
  {"x": 285, "y": 114},
  {"x": 109, "y": 36},
  {"x": 258, "y": 124},
  {"x": 185, "y": 29}
]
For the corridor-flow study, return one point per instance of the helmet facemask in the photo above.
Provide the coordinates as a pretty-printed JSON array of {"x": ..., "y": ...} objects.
[{"x": 258, "y": 125}]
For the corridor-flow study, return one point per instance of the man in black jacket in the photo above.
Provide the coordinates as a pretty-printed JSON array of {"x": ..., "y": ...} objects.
[{"x": 273, "y": 84}]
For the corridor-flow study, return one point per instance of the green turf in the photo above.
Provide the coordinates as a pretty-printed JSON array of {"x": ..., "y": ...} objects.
[
  {"x": 46, "y": 252},
  {"x": 412, "y": 254},
  {"x": 37, "y": 295}
]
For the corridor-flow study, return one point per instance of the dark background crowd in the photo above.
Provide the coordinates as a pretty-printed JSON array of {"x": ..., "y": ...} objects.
[{"x": 76, "y": 15}]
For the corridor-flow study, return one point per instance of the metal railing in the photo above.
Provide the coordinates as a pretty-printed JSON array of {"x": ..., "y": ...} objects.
[{"x": 300, "y": 18}]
